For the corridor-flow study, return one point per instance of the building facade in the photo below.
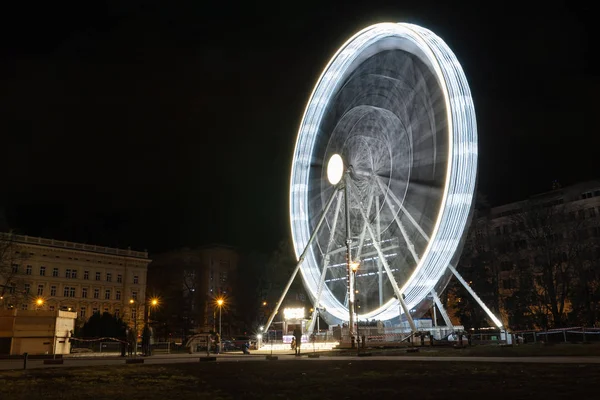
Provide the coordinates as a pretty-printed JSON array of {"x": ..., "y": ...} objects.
[
  {"x": 190, "y": 281},
  {"x": 532, "y": 257},
  {"x": 53, "y": 275}
]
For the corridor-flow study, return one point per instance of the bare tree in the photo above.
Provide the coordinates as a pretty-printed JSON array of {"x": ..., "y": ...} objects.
[
  {"x": 551, "y": 234},
  {"x": 12, "y": 286}
]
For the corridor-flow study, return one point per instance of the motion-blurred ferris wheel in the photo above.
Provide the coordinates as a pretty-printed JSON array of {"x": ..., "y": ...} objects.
[{"x": 383, "y": 176}]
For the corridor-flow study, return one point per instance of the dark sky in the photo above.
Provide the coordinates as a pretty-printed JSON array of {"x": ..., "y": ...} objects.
[{"x": 158, "y": 126}]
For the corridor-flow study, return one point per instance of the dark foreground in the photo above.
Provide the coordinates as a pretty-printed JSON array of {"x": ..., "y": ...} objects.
[{"x": 305, "y": 380}]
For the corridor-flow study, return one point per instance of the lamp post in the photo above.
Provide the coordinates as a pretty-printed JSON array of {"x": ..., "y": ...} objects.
[
  {"x": 220, "y": 304},
  {"x": 39, "y": 302},
  {"x": 353, "y": 303},
  {"x": 133, "y": 303}
]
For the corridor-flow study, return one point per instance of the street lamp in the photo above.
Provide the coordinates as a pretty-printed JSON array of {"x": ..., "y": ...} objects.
[
  {"x": 354, "y": 265},
  {"x": 220, "y": 304},
  {"x": 133, "y": 302},
  {"x": 39, "y": 302}
]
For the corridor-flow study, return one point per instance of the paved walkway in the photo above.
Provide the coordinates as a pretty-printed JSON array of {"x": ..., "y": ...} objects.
[{"x": 237, "y": 357}]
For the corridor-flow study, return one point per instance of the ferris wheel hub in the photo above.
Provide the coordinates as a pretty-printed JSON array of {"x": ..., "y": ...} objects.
[{"x": 335, "y": 169}]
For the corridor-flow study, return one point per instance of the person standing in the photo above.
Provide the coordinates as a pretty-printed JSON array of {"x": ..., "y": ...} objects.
[
  {"x": 217, "y": 343},
  {"x": 298, "y": 337}
]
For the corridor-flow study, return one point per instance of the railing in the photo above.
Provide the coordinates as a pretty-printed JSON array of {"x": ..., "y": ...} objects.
[{"x": 72, "y": 245}]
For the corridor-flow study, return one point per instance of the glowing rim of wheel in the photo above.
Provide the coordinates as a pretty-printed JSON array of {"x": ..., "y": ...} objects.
[{"x": 459, "y": 185}]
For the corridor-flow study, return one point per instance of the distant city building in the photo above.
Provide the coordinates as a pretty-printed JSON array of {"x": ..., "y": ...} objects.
[
  {"x": 556, "y": 233},
  {"x": 53, "y": 275},
  {"x": 190, "y": 281}
]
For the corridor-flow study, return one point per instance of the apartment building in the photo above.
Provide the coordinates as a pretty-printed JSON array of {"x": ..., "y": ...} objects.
[{"x": 52, "y": 275}]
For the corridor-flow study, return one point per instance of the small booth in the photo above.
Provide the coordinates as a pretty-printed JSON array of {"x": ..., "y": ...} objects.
[
  {"x": 36, "y": 331},
  {"x": 292, "y": 319}
]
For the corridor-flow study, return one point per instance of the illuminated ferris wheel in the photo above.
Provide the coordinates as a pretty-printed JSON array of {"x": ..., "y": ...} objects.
[{"x": 383, "y": 176}]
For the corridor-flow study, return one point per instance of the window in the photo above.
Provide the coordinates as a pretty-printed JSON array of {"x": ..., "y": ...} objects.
[
  {"x": 66, "y": 291},
  {"x": 42, "y": 271},
  {"x": 520, "y": 244},
  {"x": 506, "y": 266},
  {"x": 118, "y": 295},
  {"x": 13, "y": 288},
  {"x": 51, "y": 308},
  {"x": 94, "y": 310},
  {"x": 105, "y": 309},
  {"x": 108, "y": 277},
  {"x": 72, "y": 292},
  {"x": 23, "y": 306},
  {"x": 134, "y": 295},
  {"x": 86, "y": 275},
  {"x": 55, "y": 272},
  {"x": 96, "y": 293},
  {"x": 74, "y": 274},
  {"x": 135, "y": 279},
  {"x": 82, "y": 312},
  {"x": 97, "y": 276},
  {"x": 52, "y": 290},
  {"x": 28, "y": 270},
  {"x": 119, "y": 278},
  {"x": 107, "y": 294},
  {"x": 133, "y": 314},
  {"x": 27, "y": 288},
  {"x": 15, "y": 268},
  {"x": 40, "y": 290},
  {"x": 84, "y": 293},
  {"x": 68, "y": 273},
  {"x": 507, "y": 284},
  {"x": 117, "y": 312}
]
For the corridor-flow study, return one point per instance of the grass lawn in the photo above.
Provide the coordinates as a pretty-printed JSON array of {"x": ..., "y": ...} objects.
[
  {"x": 297, "y": 379},
  {"x": 528, "y": 350}
]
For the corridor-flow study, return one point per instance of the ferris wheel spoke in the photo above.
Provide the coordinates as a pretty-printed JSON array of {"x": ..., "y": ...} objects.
[
  {"x": 390, "y": 274},
  {"x": 404, "y": 210}
]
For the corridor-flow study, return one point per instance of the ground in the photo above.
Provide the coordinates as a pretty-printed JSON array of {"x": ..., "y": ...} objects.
[{"x": 305, "y": 379}]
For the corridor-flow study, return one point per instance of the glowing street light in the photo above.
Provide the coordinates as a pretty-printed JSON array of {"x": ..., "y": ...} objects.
[
  {"x": 220, "y": 303},
  {"x": 39, "y": 302}
]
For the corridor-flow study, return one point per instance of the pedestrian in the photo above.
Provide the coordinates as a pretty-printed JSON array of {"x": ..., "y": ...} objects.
[
  {"x": 132, "y": 339},
  {"x": 246, "y": 347},
  {"x": 293, "y": 345},
  {"x": 298, "y": 337},
  {"x": 217, "y": 343}
]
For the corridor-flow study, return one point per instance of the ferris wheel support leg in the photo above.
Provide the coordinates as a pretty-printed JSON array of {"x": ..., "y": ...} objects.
[
  {"x": 379, "y": 266},
  {"x": 301, "y": 258},
  {"x": 350, "y": 290},
  {"x": 388, "y": 270},
  {"x": 316, "y": 305},
  {"x": 361, "y": 239},
  {"x": 496, "y": 321},
  {"x": 440, "y": 306}
]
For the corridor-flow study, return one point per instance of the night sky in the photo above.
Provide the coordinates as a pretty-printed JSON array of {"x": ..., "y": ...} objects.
[{"x": 164, "y": 126}]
